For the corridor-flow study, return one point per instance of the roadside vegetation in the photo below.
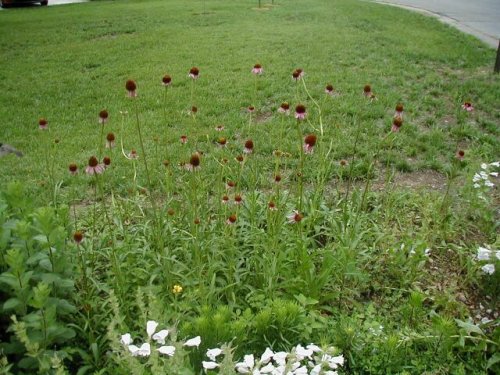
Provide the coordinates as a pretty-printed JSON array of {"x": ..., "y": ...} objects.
[{"x": 274, "y": 187}]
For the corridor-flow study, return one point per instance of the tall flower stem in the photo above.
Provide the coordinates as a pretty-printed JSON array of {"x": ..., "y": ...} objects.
[
  {"x": 300, "y": 169},
  {"x": 165, "y": 96},
  {"x": 351, "y": 164},
  {"x": 316, "y": 104}
]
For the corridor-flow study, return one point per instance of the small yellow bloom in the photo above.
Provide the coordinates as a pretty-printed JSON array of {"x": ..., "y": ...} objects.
[{"x": 177, "y": 289}]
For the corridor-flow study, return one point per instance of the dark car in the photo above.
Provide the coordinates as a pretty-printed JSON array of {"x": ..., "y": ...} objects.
[{"x": 6, "y": 3}]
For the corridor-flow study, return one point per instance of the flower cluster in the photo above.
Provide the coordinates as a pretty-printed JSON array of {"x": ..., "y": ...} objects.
[
  {"x": 482, "y": 178},
  {"x": 311, "y": 360},
  {"x": 144, "y": 349},
  {"x": 484, "y": 254}
]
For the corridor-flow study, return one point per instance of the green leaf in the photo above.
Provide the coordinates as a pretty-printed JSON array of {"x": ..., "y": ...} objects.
[
  {"x": 10, "y": 280},
  {"x": 495, "y": 358},
  {"x": 11, "y": 304},
  {"x": 469, "y": 327}
]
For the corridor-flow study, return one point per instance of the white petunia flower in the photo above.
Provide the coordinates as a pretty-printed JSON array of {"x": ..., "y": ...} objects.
[
  {"x": 495, "y": 164},
  {"x": 151, "y": 327},
  {"x": 266, "y": 356},
  {"x": 483, "y": 253},
  {"x": 209, "y": 365},
  {"x": 213, "y": 353},
  {"x": 160, "y": 336},
  {"x": 126, "y": 339},
  {"x": 195, "y": 341},
  {"x": 489, "y": 269},
  {"x": 280, "y": 358},
  {"x": 301, "y": 371},
  {"x": 315, "y": 348},
  {"x": 494, "y": 174},
  {"x": 267, "y": 369},
  {"x": 316, "y": 370},
  {"x": 167, "y": 350},
  {"x": 302, "y": 352},
  {"x": 143, "y": 351},
  {"x": 489, "y": 183},
  {"x": 247, "y": 365}
]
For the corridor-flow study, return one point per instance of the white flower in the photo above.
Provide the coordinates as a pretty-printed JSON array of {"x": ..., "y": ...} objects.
[
  {"x": 483, "y": 253},
  {"x": 267, "y": 369},
  {"x": 427, "y": 252},
  {"x": 247, "y": 365},
  {"x": 301, "y": 371},
  {"x": 489, "y": 183},
  {"x": 494, "y": 174},
  {"x": 280, "y": 358},
  {"x": 213, "y": 353},
  {"x": 316, "y": 370},
  {"x": 302, "y": 352},
  {"x": 495, "y": 164},
  {"x": 489, "y": 269},
  {"x": 315, "y": 348},
  {"x": 126, "y": 339},
  {"x": 209, "y": 365},
  {"x": 195, "y": 341},
  {"x": 497, "y": 254},
  {"x": 160, "y": 337},
  {"x": 143, "y": 351},
  {"x": 477, "y": 186},
  {"x": 167, "y": 350},
  {"x": 151, "y": 327},
  {"x": 484, "y": 166},
  {"x": 266, "y": 356}
]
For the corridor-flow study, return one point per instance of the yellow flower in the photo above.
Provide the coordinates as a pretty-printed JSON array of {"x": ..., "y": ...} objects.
[{"x": 177, "y": 289}]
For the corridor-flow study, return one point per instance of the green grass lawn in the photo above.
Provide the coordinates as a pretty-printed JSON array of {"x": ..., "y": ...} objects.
[{"x": 353, "y": 273}]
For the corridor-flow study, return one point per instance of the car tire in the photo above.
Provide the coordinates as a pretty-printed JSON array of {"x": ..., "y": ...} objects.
[{"x": 44, "y": 3}]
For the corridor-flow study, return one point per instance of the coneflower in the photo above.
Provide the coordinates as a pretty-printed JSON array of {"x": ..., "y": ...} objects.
[
  {"x": 110, "y": 140},
  {"x": 78, "y": 237},
  {"x": 42, "y": 124},
  {"x": 277, "y": 178},
  {"x": 240, "y": 158},
  {"x": 251, "y": 109},
  {"x": 222, "y": 142},
  {"x": 295, "y": 217},
  {"x": 284, "y": 108},
  {"x": 184, "y": 139},
  {"x": 248, "y": 147},
  {"x": 329, "y": 89},
  {"x": 309, "y": 143},
  {"x": 106, "y": 161},
  {"x": 257, "y": 69},
  {"x": 367, "y": 91},
  {"x": 300, "y": 112},
  {"x": 460, "y": 155},
  {"x": 238, "y": 199},
  {"x": 343, "y": 163},
  {"x": 230, "y": 184},
  {"x": 194, "y": 162},
  {"x": 396, "y": 124},
  {"x": 133, "y": 154},
  {"x": 103, "y": 116},
  {"x": 219, "y": 128},
  {"x": 194, "y": 72},
  {"x": 166, "y": 80},
  {"x": 94, "y": 167},
  {"x": 272, "y": 206},
  {"x": 399, "y": 111},
  {"x": 131, "y": 88},
  {"x": 231, "y": 219},
  {"x": 297, "y": 74},
  {"x": 225, "y": 199},
  {"x": 194, "y": 110},
  {"x": 73, "y": 169},
  {"x": 468, "y": 106}
]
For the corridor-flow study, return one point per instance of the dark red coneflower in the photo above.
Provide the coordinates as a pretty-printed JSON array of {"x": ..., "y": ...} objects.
[
  {"x": 367, "y": 91},
  {"x": 399, "y": 111},
  {"x": 238, "y": 199},
  {"x": 110, "y": 140},
  {"x": 73, "y": 169},
  {"x": 284, "y": 108},
  {"x": 231, "y": 219},
  {"x": 103, "y": 116},
  {"x": 106, "y": 161},
  {"x": 329, "y": 89},
  {"x": 248, "y": 147},
  {"x": 295, "y": 217},
  {"x": 309, "y": 143},
  {"x": 222, "y": 142},
  {"x": 78, "y": 237},
  {"x": 42, "y": 124},
  {"x": 272, "y": 206},
  {"x": 257, "y": 69},
  {"x": 251, "y": 109},
  {"x": 225, "y": 199},
  {"x": 300, "y": 112},
  {"x": 460, "y": 155},
  {"x": 166, "y": 80},
  {"x": 131, "y": 88},
  {"x": 396, "y": 124},
  {"x": 194, "y": 162},
  {"x": 194, "y": 110},
  {"x": 194, "y": 72},
  {"x": 240, "y": 158},
  {"x": 277, "y": 178},
  {"x": 230, "y": 184},
  {"x": 297, "y": 74},
  {"x": 94, "y": 167}
]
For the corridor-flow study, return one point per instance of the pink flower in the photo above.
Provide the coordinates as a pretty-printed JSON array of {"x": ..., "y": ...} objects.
[
  {"x": 166, "y": 80},
  {"x": 184, "y": 139},
  {"x": 329, "y": 90},
  {"x": 131, "y": 88},
  {"x": 399, "y": 111},
  {"x": 468, "y": 106},
  {"x": 248, "y": 147},
  {"x": 309, "y": 143},
  {"x": 94, "y": 167},
  {"x": 42, "y": 124},
  {"x": 297, "y": 74},
  {"x": 103, "y": 117},
  {"x": 284, "y": 108},
  {"x": 257, "y": 69},
  {"x": 396, "y": 124},
  {"x": 295, "y": 217},
  {"x": 300, "y": 112},
  {"x": 194, "y": 72},
  {"x": 133, "y": 154}
]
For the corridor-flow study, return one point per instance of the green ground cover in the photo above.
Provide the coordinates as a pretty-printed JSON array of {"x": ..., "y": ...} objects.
[{"x": 368, "y": 244}]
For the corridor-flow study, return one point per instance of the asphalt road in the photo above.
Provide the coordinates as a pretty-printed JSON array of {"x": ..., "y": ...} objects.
[{"x": 480, "y": 18}]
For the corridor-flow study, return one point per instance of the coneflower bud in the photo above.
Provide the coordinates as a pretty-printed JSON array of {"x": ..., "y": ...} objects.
[
  {"x": 297, "y": 74},
  {"x": 194, "y": 72},
  {"x": 103, "y": 116},
  {"x": 110, "y": 137},
  {"x": 251, "y": 108},
  {"x": 194, "y": 162},
  {"x": 300, "y": 112},
  {"x": 277, "y": 178},
  {"x": 284, "y": 108},
  {"x": 170, "y": 212},
  {"x": 230, "y": 184},
  {"x": 78, "y": 236},
  {"x": 460, "y": 155},
  {"x": 240, "y": 158},
  {"x": 194, "y": 109},
  {"x": 42, "y": 124},
  {"x": 166, "y": 80},
  {"x": 238, "y": 199},
  {"x": 367, "y": 90},
  {"x": 197, "y": 221},
  {"x": 343, "y": 163},
  {"x": 248, "y": 147},
  {"x": 131, "y": 87},
  {"x": 399, "y": 107},
  {"x": 272, "y": 206},
  {"x": 309, "y": 143},
  {"x": 225, "y": 199}
]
